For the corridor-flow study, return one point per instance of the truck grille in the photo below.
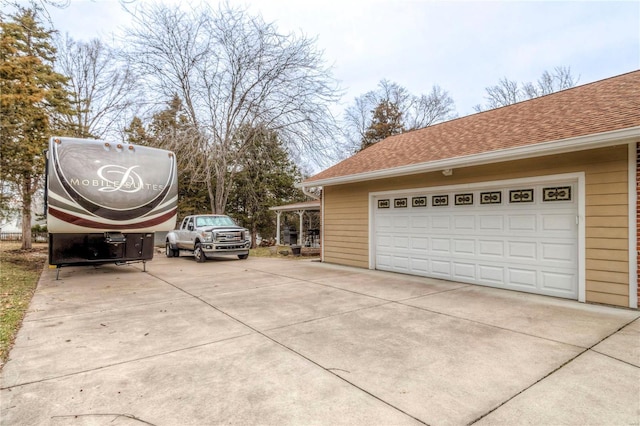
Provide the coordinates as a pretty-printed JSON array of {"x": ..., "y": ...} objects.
[{"x": 229, "y": 236}]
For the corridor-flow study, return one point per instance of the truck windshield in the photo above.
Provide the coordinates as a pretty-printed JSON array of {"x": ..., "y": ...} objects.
[{"x": 214, "y": 221}]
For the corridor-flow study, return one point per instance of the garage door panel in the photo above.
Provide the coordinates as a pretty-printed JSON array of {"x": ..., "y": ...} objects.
[
  {"x": 521, "y": 243},
  {"x": 491, "y": 248},
  {"x": 491, "y": 223},
  {"x": 400, "y": 222},
  {"x": 557, "y": 281},
  {"x": 420, "y": 243},
  {"x": 441, "y": 246},
  {"x": 558, "y": 252},
  {"x": 464, "y": 223},
  {"x": 492, "y": 274},
  {"x": 441, "y": 223},
  {"x": 464, "y": 247},
  {"x": 522, "y": 250},
  {"x": 383, "y": 261},
  {"x": 419, "y": 266},
  {"x": 464, "y": 271},
  {"x": 441, "y": 268},
  {"x": 401, "y": 242},
  {"x": 558, "y": 223},
  {"x": 526, "y": 278},
  {"x": 385, "y": 241},
  {"x": 400, "y": 263},
  {"x": 383, "y": 223},
  {"x": 522, "y": 222},
  {"x": 420, "y": 223}
]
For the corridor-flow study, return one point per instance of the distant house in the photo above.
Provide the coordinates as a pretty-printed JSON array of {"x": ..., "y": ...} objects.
[{"x": 540, "y": 196}]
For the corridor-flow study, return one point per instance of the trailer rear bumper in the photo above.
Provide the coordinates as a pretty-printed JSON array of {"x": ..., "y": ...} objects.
[{"x": 100, "y": 248}]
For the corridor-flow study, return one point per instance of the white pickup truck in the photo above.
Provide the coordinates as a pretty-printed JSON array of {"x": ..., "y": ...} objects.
[{"x": 209, "y": 235}]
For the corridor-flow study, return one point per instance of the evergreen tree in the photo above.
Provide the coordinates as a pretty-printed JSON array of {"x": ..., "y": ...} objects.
[
  {"x": 31, "y": 93},
  {"x": 169, "y": 129},
  {"x": 266, "y": 179},
  {"x": 386, "y": 121}
]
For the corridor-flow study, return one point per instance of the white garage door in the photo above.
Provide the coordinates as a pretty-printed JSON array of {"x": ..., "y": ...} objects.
[{"x": 519, "y": 237}]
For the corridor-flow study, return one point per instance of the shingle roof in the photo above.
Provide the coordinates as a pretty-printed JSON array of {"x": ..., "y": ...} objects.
[{"x": 602, "y": 106}]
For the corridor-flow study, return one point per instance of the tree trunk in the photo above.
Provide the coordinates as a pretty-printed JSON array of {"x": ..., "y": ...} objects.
[
  {"x": 254, "y": 236},
  {"x": 221, "y": 195},
  {"x": 26, "y": 214}
]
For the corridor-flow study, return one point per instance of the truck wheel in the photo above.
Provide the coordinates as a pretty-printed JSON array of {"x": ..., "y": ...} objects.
[
  {"x": 168, "y": 250},
  {"x": 198, "y": 254},
  {"x": 243, "y": 256}
]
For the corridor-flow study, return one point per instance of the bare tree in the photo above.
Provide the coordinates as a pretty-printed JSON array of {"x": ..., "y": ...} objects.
[
  {"x": 415, "y": 111},
  {"x": 508, "y": 92},
  {"x": 233, "y": 71},
  {"x": 103, "y": 87}
]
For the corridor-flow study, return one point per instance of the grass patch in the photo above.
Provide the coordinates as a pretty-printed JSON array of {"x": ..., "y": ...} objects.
[
  {"x": 277, "y": 253},
  {"x": 19, "y": 274}
]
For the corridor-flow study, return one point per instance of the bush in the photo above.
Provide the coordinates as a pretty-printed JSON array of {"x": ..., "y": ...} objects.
[{"x": 39, "y": 228}]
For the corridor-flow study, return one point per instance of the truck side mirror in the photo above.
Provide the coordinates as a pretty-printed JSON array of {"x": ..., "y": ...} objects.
[{"x": 190, "y": 226}]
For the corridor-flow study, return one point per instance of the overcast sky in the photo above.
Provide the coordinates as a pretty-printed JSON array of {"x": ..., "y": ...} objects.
[{"x": 461, "y": 46}]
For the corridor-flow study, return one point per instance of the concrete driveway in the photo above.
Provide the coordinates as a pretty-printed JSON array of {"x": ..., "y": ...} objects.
[{"x": 278, "y": 342}]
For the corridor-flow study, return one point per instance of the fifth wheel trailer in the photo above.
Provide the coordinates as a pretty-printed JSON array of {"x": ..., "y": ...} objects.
[{"x": 105, "y": 200}]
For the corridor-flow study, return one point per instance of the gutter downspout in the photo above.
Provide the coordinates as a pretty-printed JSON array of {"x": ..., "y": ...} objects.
[{"x": 309, "y": 194}]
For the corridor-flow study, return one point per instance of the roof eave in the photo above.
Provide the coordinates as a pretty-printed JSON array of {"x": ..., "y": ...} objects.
[{"x": 580, "y": 143}]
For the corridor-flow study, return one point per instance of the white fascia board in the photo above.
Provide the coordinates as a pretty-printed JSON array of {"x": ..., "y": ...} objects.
[{"x": 581, "y": 143}]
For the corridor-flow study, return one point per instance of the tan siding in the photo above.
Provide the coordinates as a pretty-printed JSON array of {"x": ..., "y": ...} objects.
[
  {"x": 606, "y": 287},
  {"x": 346, "y": 209},
  {"x": 608, "y": 211},
  {"x": 608, "y": 265},
  {"x": 608, "y": 276},
  {"x": 617, "y": 176},
  {"x": 608, "y": 298},
  {"x": 617, "y": 255},
  {"x": 607, "y": 222},
  {"x": 606, "y": 199},
  {"x": 605, "y": 232},
  {"x": 608, "y": 243},
  {"x": 608, "y": 188}
]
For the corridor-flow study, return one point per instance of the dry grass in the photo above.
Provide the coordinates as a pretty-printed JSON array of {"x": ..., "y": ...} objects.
[{"x": 19, "y": 274}]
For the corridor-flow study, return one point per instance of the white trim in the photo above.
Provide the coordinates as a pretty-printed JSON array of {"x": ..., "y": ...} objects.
[
  {"x": 578, "y": 177},
  {"x": 633, "y": 227},
  {"x": 582, "y": 238},
  {"x": 487, "y": 184},
  {"x": 372, "y": 234},
  {"x": 322, "y": 243},
  {"x": 581, "y": 143}
]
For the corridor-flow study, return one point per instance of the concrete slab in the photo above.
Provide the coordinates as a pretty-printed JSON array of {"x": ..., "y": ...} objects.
[
  {"x": 178, "y": 345},
  {"x": 59, "y": 346},
  {"x": 562, "y": 320},
  {"x": 387, "y": 285},
  {"x": 84, "y": 290},
  {"x": 246, "y": 381},
  {"x": 578, "y": 394},
  {"x": 265, "y": 308},
  {"x": 624, "y": 345},
  {"x": 300, "y": 269},
  {"x": 440, "y": 369}
]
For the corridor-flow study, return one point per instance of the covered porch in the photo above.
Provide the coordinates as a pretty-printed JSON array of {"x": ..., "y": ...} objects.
[{"x": 308, "y": 236}]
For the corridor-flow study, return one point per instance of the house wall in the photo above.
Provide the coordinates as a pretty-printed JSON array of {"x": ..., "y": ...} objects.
[
  {"x": 346, "y": 220},
  {"x": 638, "y": 218}
]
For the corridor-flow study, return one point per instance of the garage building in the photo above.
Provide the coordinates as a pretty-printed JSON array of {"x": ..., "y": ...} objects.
[{"x": 540, "y": 196}]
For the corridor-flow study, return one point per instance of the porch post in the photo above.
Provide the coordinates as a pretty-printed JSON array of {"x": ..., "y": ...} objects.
[
  {"x": 278, "y": 213},
  {"x": 300, "y": 213}
]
